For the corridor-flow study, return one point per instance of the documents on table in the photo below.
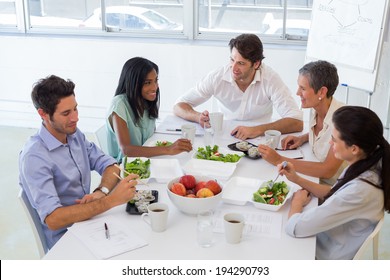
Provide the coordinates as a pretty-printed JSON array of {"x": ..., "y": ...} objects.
[
  {"x": 261, "y": 223},
  {"x": 172, "y": 125},
  {"x": 296, "y": 153},
  {"x": 92, "y": 233}
]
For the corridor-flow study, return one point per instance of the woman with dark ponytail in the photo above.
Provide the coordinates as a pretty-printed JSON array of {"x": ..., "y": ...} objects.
[{"x": 351, "y": 208}]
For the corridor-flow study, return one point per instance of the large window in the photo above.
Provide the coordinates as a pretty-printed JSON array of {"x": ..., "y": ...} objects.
[
  {"x": 279, "y": 20},
  {"x": 8, "y": 19}
]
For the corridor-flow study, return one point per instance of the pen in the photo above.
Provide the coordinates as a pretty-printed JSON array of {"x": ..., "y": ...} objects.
[
  {"x": 173, "y": 129},
  {"x": 107, "y": 231}
]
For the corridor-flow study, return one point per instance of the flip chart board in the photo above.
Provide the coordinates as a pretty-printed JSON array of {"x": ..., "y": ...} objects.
[{"x": 349, "y": 33}]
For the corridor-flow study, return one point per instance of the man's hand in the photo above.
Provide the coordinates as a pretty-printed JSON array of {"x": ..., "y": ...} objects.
[
  {"x": 90, "y": 197},
  {"x": 204, "y": 119},
  {"x": 245, "y": 132}
]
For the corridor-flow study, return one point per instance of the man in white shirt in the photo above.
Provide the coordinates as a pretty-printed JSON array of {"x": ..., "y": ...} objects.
[{"x": 246, "y": 90}]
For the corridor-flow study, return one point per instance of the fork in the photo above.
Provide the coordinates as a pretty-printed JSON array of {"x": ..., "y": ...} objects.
[{"x": 271, "y": 183}]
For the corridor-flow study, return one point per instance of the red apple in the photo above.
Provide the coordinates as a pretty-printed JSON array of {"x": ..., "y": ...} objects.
[
  {"x": 200, "y": 185},
  {"x": 188, "y": 181},
  {"x": 205, "y": 192},
  {"x": 213, "y": 186},
  {"x": 179, "y": 189}
]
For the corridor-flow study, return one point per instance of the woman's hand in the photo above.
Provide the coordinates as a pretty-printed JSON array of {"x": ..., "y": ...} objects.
[
  {"x": 269, "y": 154},
  {"x": 299, "y": 200},
  {"x": 291, "y": 142},
  {"x": 179, "y": 146},
  {"x": 289, "y": 172}
]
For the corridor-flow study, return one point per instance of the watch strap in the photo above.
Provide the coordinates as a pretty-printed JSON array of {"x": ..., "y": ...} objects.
[{"x": 103, "y": 189}]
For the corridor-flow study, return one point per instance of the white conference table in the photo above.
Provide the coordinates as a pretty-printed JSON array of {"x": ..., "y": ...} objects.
[{"x": 179, "y": 240}]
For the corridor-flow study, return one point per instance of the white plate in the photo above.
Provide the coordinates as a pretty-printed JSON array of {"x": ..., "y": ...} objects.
[
  {"x": 239, "y": 191},
  {"x": 163, "y": 170}
]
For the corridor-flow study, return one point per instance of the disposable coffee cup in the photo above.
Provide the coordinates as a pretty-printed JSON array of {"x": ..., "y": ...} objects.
[
  {"x": 272, "y": 138},
  {"x": 216, "y": 121},
  {"x": 157, "y": 216},
  {"x": 234, "y": 225}
]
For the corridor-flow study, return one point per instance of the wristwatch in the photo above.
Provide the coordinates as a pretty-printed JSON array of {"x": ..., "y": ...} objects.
[{"x": 103, "y": 189}]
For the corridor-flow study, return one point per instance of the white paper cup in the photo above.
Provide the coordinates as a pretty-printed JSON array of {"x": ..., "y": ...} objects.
[
  {"x": 157, "y": 216},
  {"x": 272, "y": 137},
  {"x": 188, "y": 132},
  {"x": 216, "y": 121},
  {"x": 234, "y": 225}
]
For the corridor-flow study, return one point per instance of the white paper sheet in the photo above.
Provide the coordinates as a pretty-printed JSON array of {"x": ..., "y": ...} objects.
[
  {"x": 266, "y": 224},
  {"x": 92, "y": 234},
  {"x": 172, "y": 125}
]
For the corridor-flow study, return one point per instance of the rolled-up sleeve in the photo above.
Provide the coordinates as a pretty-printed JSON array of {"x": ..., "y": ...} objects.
[
  {"x": 282, "y": 99},
  {"x": 98, "y": 160}
]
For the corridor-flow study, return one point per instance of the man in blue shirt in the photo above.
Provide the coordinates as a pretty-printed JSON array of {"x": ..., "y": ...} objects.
[{"x": 55, "y": 164}]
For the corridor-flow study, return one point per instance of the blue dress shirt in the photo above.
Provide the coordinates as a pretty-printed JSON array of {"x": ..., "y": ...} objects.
[{"x": 54, "y": 174}]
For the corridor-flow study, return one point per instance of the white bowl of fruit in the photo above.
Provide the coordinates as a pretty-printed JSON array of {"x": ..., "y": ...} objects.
[{"x": 194, "y": 194}]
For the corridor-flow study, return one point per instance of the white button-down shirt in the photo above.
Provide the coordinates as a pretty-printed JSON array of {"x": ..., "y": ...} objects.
[
  {"x": 320, "y": 143},
  {"x": 266, "y": 91}
]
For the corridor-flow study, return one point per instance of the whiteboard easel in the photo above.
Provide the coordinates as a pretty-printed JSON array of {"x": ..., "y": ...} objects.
[{"x": 352, "y": 42}]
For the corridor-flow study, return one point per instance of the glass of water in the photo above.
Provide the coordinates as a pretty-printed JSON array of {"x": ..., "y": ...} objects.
[
  {"x": 208, "y": 137},
  {"x": 205, "y": 227}
]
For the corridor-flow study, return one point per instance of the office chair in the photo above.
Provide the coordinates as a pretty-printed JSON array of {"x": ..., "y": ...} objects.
[
  {"x": 374, "y": 237},
  {"x": 35, "y": 223},
  {"x": 101, "y": 137}
]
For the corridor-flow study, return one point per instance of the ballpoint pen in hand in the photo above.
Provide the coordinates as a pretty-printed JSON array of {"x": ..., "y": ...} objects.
[{"x": 106, "y": 231}]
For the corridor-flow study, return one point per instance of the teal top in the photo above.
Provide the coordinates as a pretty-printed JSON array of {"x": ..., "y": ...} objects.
[{"x": 138, "y": 133}]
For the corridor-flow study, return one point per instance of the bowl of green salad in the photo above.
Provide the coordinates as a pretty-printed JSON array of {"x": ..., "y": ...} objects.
[
  {"x": 213, "y": 161},
  {"x": 139, "y": 166}
]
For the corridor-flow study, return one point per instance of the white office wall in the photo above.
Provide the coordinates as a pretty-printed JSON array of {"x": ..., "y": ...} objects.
[{"x": 95, "y": 64}]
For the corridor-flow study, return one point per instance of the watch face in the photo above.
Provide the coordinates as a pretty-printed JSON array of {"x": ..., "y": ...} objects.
[{"x": 104, "y": 190}]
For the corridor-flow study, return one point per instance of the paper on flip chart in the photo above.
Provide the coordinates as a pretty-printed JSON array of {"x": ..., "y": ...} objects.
[
  {"x": 262, "y": 223},
  {"x": 92, "y": 234}
]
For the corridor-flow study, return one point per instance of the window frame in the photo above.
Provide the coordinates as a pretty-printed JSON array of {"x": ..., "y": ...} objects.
[{"x": 191, "y": 30}]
